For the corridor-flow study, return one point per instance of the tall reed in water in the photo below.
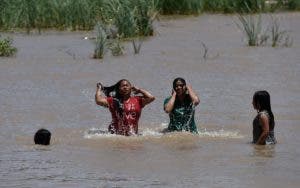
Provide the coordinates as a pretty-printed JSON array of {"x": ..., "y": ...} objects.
[
  {"x": 231, "y": 6},
  {"x": 46, "y": 14},
  {"x": 100, "y": 41},
  {"x": 25, "y": 14},
  {"x": 3, "y": 12},
  {"x": 251, "y": 26},
  {"x": 279, "y": 36},
  {"x": 120, "y": 14},
  {"x": 137, "y": 44},
  {"x": 78, "y": 15},
  {"x": 30, "y": 14},
  {"x": 224, "y": 6},
  {"x": 197, "y": 6},
  {"x": 117, "y": 49},
  {"x": 131, "y": 17},
  {"x": 146, "y": 12}
]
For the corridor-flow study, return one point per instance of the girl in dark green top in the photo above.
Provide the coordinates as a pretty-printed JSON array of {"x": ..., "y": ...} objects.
[{"x": 181, "y": 107}]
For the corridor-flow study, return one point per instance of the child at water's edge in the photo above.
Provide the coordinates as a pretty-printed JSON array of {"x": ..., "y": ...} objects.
[
  {"x": 263, "y": 123},
  {"x": 181, "y": 107},
  {"x": 124, "y": 107}
]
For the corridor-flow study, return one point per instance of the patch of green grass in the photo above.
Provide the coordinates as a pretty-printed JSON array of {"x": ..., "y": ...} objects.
[
  {"x": 180, "y": 6},
  {"x": 6, "y": 48},
  {"x": 120, "y": 14},
  {"x": 293, "y": 4}
]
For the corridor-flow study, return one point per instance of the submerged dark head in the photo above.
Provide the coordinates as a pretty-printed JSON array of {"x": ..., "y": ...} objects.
[{"x": 42, "y": 137}]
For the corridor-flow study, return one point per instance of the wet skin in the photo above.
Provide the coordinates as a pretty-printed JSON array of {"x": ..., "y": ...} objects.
[
  {"x": 180, "y": 88},
  {"x": 125, "y": 89}
]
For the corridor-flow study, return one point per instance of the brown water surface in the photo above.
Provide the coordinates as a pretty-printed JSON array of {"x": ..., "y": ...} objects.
[{"x": 51, "y": 83}]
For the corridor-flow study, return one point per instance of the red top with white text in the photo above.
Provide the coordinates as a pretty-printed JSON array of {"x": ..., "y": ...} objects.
[{"x": 125, "y": 115}]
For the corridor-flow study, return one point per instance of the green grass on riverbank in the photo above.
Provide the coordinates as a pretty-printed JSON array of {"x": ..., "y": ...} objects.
[{"x": 130, "y": 18}]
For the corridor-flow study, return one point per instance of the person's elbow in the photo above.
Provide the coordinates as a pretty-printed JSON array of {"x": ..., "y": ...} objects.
[
  {"x": 101, "y": 102},
  {"x": 98, "y": 102},
  {"x": 197, "y": 101},
  {"x": 151, "y": 99},
  {"x": 167, "y": 110}
]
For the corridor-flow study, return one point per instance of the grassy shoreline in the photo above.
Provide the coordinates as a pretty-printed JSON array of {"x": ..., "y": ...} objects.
[{"x": 130, "y": 18}]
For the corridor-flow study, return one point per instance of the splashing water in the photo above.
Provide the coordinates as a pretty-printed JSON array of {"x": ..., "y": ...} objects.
[
  {"x": 157, "y": 133},
  {"x": 220, "y": 134},
  {"x": 191, "y": 112}
]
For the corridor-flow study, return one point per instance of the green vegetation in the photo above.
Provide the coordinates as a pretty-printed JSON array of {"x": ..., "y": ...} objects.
[
  {"x": 222, "y": 6},
  {"x": 181, "y": 6},
  {"x": 131, "y": 17},
  {"x": 294, "y": 4},
  {"x": 116, "y": 47},
  {"x": 100, "y": 42},
  {"x": 279, "y": 36},
  {"x": 137, "y": 44},
  {"x": 251, "y": 25},
  {"x": 6, "y": 48},
  {"x": 39, "y": 14}
]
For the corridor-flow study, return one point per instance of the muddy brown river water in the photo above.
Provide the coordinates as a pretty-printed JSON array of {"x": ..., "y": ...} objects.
[{"x": 51, "y": 83}]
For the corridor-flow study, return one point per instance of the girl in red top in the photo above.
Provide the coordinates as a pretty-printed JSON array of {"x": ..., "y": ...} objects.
[{"x": 124, "y": 107}]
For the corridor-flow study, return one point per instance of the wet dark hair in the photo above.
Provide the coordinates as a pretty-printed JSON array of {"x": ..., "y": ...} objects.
[
  {"x": 42, "y": 137},
  {"x": 178, "y": 79},
  {"x": 263, "y": 99},
  {"x": 114, "y": 91}
]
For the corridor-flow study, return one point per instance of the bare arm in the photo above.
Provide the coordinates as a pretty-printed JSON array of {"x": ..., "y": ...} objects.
[
  {"x": 170, "y": 104},
  {"x": 99, "y": 99},
  {"x": 193, "y": 95},
  {"x": 264, "y": 121},
  {"x": 147, "y": 97}
]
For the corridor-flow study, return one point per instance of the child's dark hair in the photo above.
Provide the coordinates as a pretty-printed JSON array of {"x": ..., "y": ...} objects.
[
  {"x": 178, "y": 79},
  {"x": 263, "y": 99},
  {"x": 42, "y": 137}
]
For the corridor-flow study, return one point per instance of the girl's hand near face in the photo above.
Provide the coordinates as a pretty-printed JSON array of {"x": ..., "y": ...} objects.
[
  {"x": 146, "y": 96},
  {"x": 99, "y": 86},
  {"x": 173, "y": 93},
  {"x": 193, "y": 95},
  {"x": 188, "y": 88},
  {"x": 135, "y": 90}
]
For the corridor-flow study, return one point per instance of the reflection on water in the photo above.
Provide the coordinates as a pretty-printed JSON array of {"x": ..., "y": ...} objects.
[{"x": 263, "y": 151}]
